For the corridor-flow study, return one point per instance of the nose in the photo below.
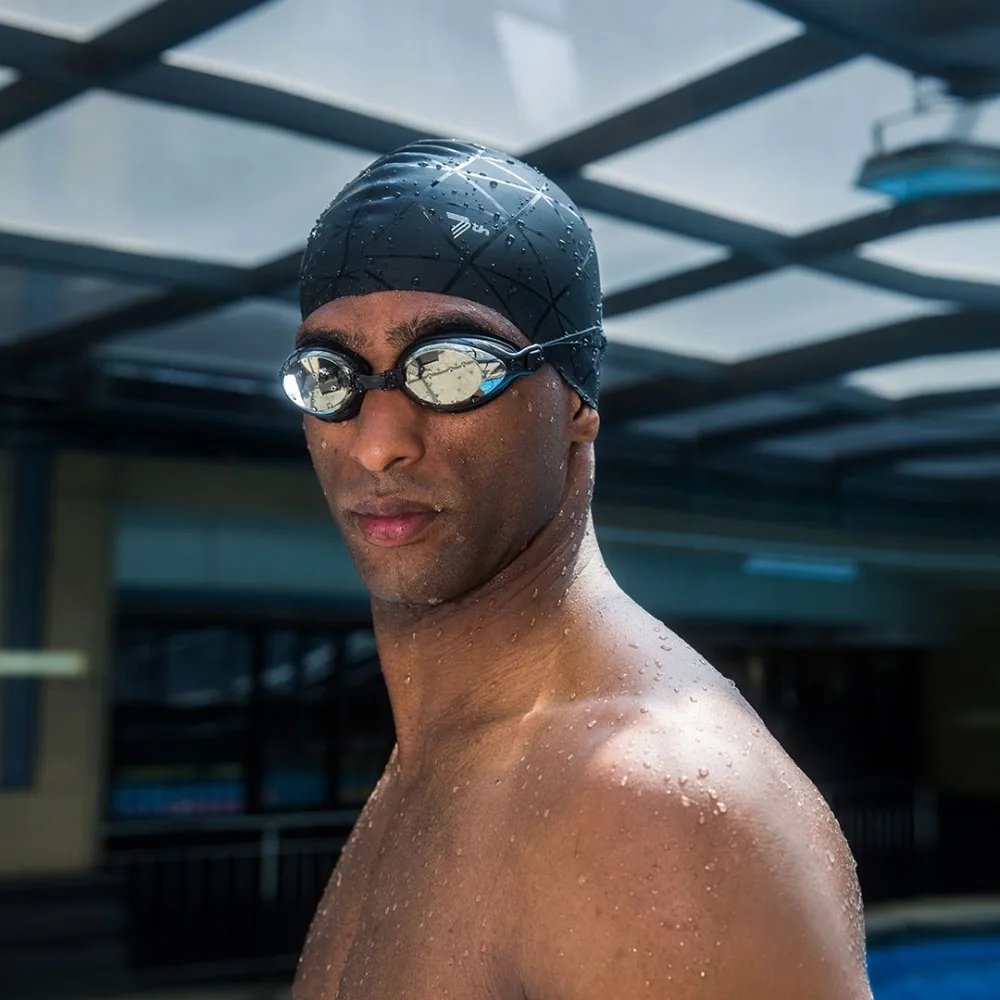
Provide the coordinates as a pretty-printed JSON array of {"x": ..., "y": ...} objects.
[{"x": 387, "y": 431}]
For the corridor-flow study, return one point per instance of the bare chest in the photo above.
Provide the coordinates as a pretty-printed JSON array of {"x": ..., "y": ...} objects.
[{"x": 417, "y": 907}]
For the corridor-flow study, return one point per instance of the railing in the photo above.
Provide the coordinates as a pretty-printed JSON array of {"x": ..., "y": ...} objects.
[
  {"x": 239, "y": 892},
  {"x": 894, "y": 837}
]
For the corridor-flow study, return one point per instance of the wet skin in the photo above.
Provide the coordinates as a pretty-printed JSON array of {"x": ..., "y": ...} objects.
[{"x": 578, "y": 805}]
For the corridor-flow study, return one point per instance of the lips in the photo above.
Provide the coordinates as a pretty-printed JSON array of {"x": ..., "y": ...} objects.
[{"x": 391, "y": 521}]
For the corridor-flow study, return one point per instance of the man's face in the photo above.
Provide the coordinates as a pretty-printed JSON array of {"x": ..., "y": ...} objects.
[{"x": 432, "y": 505}]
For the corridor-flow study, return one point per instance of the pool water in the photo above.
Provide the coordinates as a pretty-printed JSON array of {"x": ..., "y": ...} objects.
[{"x": 943, "y": 968}]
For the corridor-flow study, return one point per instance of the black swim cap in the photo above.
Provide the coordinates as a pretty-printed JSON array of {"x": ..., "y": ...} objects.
[{"x": 459, "y": 219}]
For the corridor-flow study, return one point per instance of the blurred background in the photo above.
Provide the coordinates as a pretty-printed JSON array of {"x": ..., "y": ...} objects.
[{"x": 797, "y": 209}]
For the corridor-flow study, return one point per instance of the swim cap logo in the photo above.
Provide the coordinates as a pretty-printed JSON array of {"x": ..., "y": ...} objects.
[{"x": 463, "y": 224}]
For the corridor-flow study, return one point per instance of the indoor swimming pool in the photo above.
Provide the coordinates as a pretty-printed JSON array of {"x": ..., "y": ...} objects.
[{"x": 947, "y": 965}]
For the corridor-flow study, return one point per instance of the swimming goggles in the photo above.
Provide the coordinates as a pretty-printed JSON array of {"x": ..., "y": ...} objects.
[{"x": 448, "y": 373}]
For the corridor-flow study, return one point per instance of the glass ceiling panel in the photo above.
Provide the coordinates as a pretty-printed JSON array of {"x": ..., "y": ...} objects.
[
  {"x": 986, "y": 467},
  {"x": 787, "y": 161},
  {"x": 249, "y": 338},
  {"x": 880, "y": 434},
  {"x": 969, "y": 250},
  {"x": 722, "y": 416},
  {"x": 162, "y": 180},
  {"x": 987, "y": 129},
  {"x": 773, "y": 313},
  {"x": 514, "y": 72},
  {"x": 80, "y": 19},
  {"x": 948, "y": 373},
  {"x": 630, "y": 255},
  {"x": 36, "y": 300}
]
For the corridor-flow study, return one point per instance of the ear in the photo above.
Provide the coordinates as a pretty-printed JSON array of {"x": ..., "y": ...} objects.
[{"x": 585, "y": 421}]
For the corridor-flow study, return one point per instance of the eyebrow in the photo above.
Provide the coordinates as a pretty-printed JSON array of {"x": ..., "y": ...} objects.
[{"x": 402, "y": 334}]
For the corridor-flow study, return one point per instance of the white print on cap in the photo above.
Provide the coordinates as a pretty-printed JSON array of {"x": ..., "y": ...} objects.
[{"x": 463, "y": 224}]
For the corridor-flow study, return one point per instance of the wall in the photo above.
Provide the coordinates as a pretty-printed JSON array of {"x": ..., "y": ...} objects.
[
  {"x": 53, "y": 827},
  {"x": 5, "y": 514},
  {"x": 175, "y": 527}
]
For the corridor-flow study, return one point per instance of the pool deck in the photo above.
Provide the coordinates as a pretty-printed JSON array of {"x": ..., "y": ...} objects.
[
  {"x": 880, "y": 919},
  {"x": 932, "y": 913}
]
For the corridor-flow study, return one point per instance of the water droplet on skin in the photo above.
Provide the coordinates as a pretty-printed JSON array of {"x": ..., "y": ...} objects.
[
  {"x": 701, "y": 820},
  {"x": 592, "y": 723},
  {"x": 406, "y": 679},
  {"x": 681, "y": 780},
  {"x": 721, "y": 806},
  {"x": 702, "y": 772},
  {"x": 624, "y": 780},
  {"x": 644, "y": 710},
  {"x": 685, "y": 801}
]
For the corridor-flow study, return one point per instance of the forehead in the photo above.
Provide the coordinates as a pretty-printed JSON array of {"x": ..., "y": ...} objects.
[{"x": 394, "y": 318}]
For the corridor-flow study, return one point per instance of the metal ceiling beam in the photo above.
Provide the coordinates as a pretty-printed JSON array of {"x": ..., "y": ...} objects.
[
  {"x": 863, "y": 409},
  {"x": 75, "y": 68},
  {"x": 58, "y": 344},
  {"x": 48, "y": 254},
  {"x": 889, "y": 456},
  {"x": 260, "y": 105},
  {"x": 829, "y": 249},
  {"x": 947, "y": 333},
  {"x": 817, "y": 15},
  {"x": 780, "y": 66}
]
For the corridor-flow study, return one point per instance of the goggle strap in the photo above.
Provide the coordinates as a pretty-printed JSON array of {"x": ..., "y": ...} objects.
[{"x": 565, "y": 348}]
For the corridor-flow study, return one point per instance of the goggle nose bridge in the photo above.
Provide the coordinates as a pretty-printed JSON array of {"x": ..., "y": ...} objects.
[{"x": 392, "y": 379}]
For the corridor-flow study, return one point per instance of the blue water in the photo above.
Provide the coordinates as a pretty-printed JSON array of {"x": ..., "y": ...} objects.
[{"x": 946, "y": 968}]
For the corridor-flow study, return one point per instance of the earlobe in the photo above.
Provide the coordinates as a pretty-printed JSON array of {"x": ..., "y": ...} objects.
[{"x": 586, "y": 422}]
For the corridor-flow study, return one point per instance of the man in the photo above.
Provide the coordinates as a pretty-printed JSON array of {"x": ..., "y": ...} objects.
[{"x": 578, "y": 806}]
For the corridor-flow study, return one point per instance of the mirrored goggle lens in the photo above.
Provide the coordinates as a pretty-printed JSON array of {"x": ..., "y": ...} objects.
[
  {"x": 318, "y": 383},
  {"x": 452, "y": 375}
]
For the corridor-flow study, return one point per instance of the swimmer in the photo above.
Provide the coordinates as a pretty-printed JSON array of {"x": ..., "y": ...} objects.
[{"x": 578, "y": 806}]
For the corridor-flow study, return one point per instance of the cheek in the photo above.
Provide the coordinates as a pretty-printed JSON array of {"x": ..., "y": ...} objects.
[{"x": 527, "y": 447}]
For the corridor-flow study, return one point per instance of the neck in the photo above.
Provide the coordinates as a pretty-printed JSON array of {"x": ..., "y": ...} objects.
[{"x": 499, "y": 651}]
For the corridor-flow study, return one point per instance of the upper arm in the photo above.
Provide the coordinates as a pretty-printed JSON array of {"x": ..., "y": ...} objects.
[{"x": 634, "y": 891}]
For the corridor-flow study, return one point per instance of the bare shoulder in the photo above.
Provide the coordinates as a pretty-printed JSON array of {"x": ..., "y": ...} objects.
[{"x": 681, "y": 852}]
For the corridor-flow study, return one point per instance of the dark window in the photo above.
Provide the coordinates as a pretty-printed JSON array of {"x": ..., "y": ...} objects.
[{"x": 219, "y": 718}]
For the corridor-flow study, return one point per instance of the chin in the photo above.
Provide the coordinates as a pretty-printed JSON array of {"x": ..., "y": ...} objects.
[
  {"x": 399, "y": 587},
  {"x": 426, "y": 587}
]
